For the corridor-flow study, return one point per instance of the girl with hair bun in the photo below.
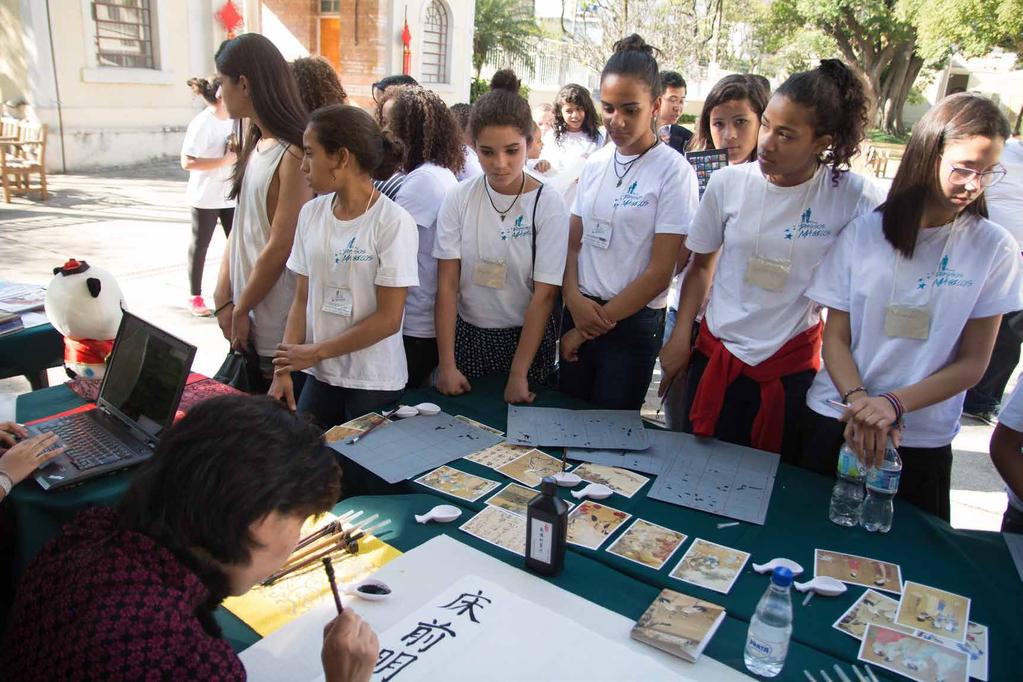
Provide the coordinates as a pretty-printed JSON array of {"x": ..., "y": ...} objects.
[
  {"x": 915, "y": 292},
  {"x": 760, "y": 233},
  {"x": 433, "y": 154},
  {"x": 207, "y": 155},
  {"x": 354, "y": 259},
  {"x": 500, "y": 244},
  {"x": 636, "y": 199}
]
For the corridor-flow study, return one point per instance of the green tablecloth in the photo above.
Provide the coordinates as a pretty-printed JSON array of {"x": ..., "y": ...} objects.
[
  {"x": 31, "y": 351},
  {"x": 976, "y": 564}
]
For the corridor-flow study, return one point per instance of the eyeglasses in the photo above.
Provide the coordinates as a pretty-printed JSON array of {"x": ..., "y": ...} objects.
[{"x": 963, "y": 176}]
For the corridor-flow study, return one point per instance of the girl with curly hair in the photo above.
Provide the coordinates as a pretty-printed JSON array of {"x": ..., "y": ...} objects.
[
  {"x": 433, "y": 155},
  {"x": 575, "y": 135},
  {"x": 317, "y": 82},
  {"x": 760, "y": 233}
]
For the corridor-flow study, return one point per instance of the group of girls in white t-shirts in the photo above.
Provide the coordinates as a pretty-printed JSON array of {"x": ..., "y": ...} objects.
[{"x": 914, "y": 284}]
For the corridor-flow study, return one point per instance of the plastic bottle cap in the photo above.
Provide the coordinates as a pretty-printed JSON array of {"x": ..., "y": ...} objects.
[
  {"x": 782, "y": 577},
  {"x": 548, "y": 486}
]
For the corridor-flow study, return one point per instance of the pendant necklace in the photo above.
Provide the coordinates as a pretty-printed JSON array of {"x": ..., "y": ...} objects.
[
  {"x": 503, "y": 214},
  {"x": 627, "y": 165}
]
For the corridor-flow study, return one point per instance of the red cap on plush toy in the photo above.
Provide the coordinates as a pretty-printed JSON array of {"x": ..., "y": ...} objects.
[{"x": 84, "y": 304}]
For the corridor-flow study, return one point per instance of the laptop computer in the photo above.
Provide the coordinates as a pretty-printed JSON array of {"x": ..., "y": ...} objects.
[{"x": 137, "y": 402}]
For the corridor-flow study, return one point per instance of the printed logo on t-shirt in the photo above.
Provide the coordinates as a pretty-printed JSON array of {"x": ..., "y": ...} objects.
[
  {"x": 630, "y": 198},
  {"x": 352, "y": 254},
  {"x": 944, "y": 276},
  {"x": 517, "y": 229},
  {"x": 807, "y": 228}
]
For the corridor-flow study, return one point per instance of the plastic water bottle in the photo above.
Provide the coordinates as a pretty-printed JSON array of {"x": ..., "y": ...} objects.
[
  {"x": 767, "y": 641},
  {"x": 882, "y": 484},
  {"x": 847, "y": 495}
]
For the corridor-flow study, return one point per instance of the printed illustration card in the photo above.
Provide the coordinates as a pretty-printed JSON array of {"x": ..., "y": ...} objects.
[
  {"x": 622, "y": 481},
  {"x": 871, "y": 608},
  {"x": 531, "y": 467},
  {"x": 515, "y": 498},
  {"x": 934, "y": 611},
  {"x": 914, "y": 657},
  {"x": 496, "y": 456},
  {"x": 710, "y": 565},
  {"x": 678, "y": 624},
  {"x": 479, "y": 425},
  {"x": 647, "y": 543},
  {"x": 353, "y": 427},
  {"x": 499, "y": 527},
  {"x": 591, "y": 523},
  {"x": 457, "y": 483},
  {"x": 975, "y": 647},
  {"x": 858, "y": 570}
]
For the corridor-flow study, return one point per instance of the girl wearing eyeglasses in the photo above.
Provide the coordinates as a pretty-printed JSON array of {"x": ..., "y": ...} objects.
[{"x": 915, "y": 292}]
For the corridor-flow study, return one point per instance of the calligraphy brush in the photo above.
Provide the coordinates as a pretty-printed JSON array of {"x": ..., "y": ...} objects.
[
  {"x": 341, "y": 546},
  {"x": 329, "y": 568},
  {"x": 324, "y": 542},
  {"x": 346, "y": 543},
  {"x": 328, "y": 529}
]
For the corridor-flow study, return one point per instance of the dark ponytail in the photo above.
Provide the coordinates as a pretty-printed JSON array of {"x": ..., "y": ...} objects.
[
  {"x": 840, "y": 107},
  {"x": 208, "y": 89},
  {"x": 341, "y": 126},
  {"x": 633, "y": 57},
  {"x": 502, "y": 106}
]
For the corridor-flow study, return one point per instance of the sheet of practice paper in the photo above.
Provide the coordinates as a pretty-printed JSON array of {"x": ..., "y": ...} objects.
[{"x": 559, "y": 427}]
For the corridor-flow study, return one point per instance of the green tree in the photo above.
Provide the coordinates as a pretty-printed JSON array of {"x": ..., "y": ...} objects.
[
  {"x": 972, "y": 27},
  {"x": 508, "y": 25}
]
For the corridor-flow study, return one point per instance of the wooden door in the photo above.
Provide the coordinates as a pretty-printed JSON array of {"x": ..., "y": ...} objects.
[{"x": 330, "y": 40}]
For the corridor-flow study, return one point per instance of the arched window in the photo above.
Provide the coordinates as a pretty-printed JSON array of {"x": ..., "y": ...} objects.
[{"x": 435, "y": 43}]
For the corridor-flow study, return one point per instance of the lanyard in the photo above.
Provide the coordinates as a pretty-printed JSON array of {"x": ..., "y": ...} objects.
[
  {"x": 811, "y": 184},
  {"x": 945, "y": 250},
  {"x": 349, "y": 248}
]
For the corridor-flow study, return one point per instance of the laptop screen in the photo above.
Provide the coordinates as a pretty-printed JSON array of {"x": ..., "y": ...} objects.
[{"x": 146, "y": 375}]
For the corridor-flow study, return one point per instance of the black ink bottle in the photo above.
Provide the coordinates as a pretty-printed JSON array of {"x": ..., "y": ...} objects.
[{"x": 546, "y": 530}]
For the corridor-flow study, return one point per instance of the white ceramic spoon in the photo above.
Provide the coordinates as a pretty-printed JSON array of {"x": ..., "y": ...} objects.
[
  {"x": 775, "y": 563},
  {"x": 406, "y": 411},
  {"x": 595, "y": 491},
  {"x": 369, "y": 589},
  {"x": 567, "y": 480},
  {"x": 442, "y": 513},
  {"x": 822, "y": 584}
]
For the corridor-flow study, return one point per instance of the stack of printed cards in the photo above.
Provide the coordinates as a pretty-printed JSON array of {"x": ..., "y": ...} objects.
[
  {"x": 354, "y": 427},
  {"x": 500, "y": 528},
  {"x": 496, "y": 456},
  {"x": 515, "y": 498},
  {"x": 590, "y": 524},
  {"x": 647, "y": 543},
  {"x": 707, "y": 564},
  {"x": 531, "y": 467},
  {"x": 622, "y": 481},
  {"x": 858, "y": 570},
  {"x": 678, "y": 624},
  {"x": 451, "y": 481}
]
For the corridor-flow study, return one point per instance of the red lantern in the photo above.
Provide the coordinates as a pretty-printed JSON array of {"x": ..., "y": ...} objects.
[
  {"x": 229, "y": 17},
  {"x": 406, "y": 41}
]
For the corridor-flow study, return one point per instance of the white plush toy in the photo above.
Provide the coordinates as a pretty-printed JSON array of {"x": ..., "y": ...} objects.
[{"x": 84, "y": 304}]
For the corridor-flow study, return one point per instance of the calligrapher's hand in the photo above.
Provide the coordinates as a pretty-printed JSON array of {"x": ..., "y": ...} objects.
[{"x": 350, "y": 649}]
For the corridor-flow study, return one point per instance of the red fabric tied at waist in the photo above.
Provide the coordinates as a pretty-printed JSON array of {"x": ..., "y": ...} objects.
[
  {"x": 800, "y": 353},
  {"x": 87, "y": 351}
]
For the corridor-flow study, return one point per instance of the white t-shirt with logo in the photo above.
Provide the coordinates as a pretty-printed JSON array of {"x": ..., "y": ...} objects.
[
  {"x": 206, "y": 138},
  {"x": 1011, "y": 416},
  {"x": 1005, "y": 200},
  {"x": 469, "y": 229},
  {"x": 376, "y": 249},
  {"x": 421, "y": 194},
  {"x": 970, "y": 273},
  {"x": 799, "y": 224},
  {"x": 658, "y": 195}
]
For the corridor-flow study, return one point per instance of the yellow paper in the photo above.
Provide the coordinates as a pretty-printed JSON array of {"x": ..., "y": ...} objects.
[{"x": 265, "y": 609}]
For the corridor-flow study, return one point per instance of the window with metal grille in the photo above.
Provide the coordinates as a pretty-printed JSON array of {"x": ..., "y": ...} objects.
[
  {"x": 435, "y": 44},
  {"x": 330, "y": 6},
  {"x": 124, "y": 33}
]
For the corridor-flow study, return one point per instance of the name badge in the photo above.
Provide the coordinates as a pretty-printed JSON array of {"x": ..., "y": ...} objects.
[
  {"x": 767, "y": 274},
  {"x": 337, "y": 301},
  {"x": 598, "y": 234},
  {"x": 490, "y": 275},
  {"x": 907, "y": 322}
]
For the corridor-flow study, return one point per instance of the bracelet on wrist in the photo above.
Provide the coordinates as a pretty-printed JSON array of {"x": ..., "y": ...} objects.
[
  {"x": 896, "y": 404},
  {"x": 217, "y": 311},
  {"x": 6, "y": 483},
  {"x": 858, "y": 389}
]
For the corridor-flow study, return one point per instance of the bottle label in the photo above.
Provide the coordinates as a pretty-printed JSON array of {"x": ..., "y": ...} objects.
[
  {"x": 849, "y": 463},
  {"x": 761, "y": 647},
  {"x": 884, "y": 480},
  {"x": 541, "y": 544}
]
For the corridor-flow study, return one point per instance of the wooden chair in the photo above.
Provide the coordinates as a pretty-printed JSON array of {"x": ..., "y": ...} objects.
[{"x": 21, "y": 159}]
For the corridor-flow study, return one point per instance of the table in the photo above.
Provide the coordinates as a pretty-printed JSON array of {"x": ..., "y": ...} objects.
[
  {"x": 31, "y": 352},
  {"x": 973, "y": 563}
]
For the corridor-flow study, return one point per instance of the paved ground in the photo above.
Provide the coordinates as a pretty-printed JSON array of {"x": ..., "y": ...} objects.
[{"x": 134, "y": 222}]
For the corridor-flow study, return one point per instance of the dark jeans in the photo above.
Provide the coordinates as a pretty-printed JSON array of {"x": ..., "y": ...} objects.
[
  {"x": 421, "y": 355},
  {"x": 332, "y": 405},
  {"x": 926, "y": 472},
  {"x": 742, "y": 402},
  {"x": 1012, "y": 520},
  {"x": 987, "y": 394},
  {"x": 204, "y": 222},
  {"x": 614, "y": 370}
]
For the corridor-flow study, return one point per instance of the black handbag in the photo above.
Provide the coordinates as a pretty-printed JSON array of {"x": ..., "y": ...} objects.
[{"x": 241, "y": 370}]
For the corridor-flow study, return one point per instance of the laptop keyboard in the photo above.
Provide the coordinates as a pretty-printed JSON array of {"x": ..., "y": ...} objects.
[{"x": 88, "y": 444}]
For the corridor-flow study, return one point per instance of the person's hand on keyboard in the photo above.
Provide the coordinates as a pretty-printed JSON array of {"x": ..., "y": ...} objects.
[{"x": 23, "y": 457}]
